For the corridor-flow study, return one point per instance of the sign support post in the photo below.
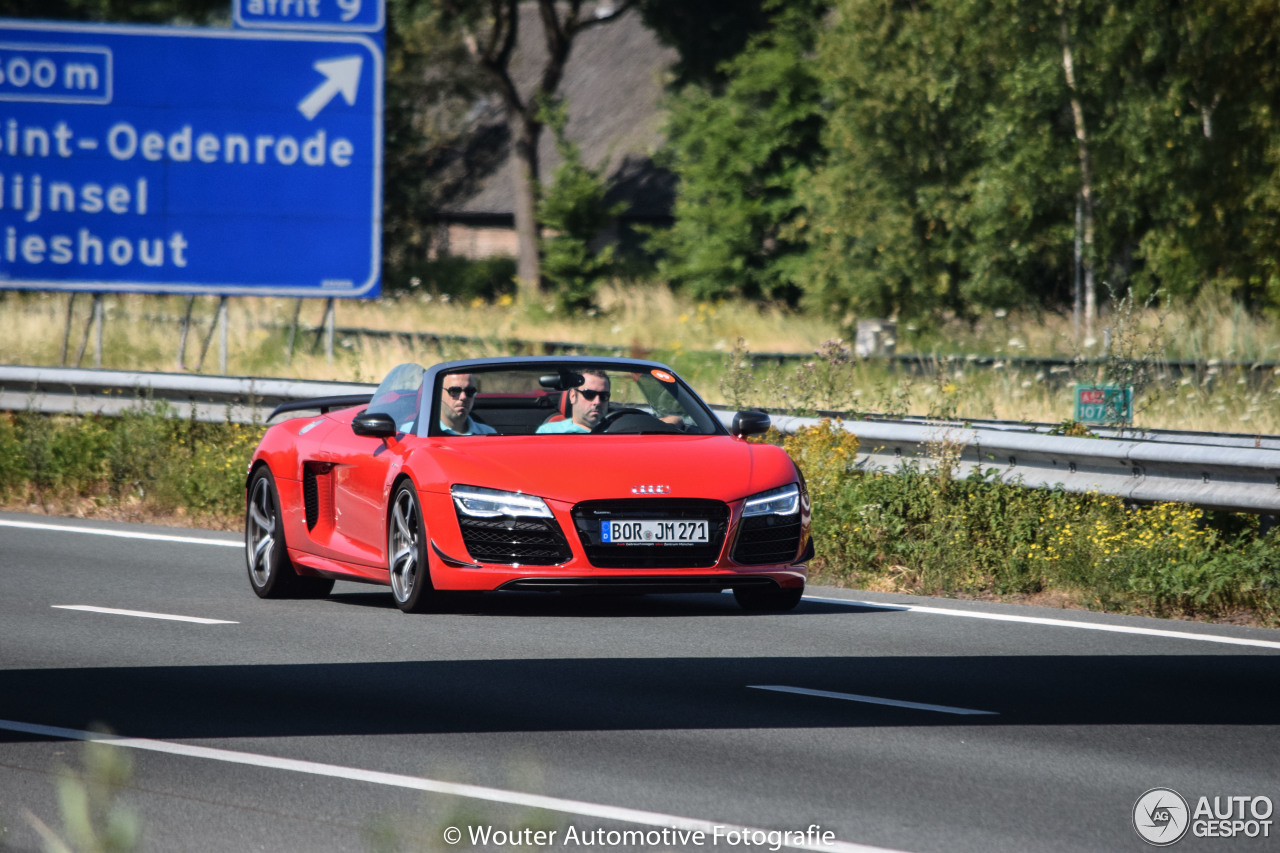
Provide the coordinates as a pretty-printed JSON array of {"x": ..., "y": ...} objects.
[
  {"x": 99, "y": 318},
  {"x": 66, "y": 328}
]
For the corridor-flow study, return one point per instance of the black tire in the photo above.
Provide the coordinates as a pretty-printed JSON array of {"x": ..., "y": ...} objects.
[
  {"x": 754, "y": 599},
  {"x": 407, "y": 566},
  {"x": 271, "y": 572}
]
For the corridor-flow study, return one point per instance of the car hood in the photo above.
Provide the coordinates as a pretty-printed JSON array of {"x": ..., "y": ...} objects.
[{"x": 572, "y": 468}]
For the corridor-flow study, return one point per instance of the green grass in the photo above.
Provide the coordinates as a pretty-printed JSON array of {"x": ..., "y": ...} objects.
[
  {"x": 147, "y": 463},
  {"x": 928, "y": 533}
]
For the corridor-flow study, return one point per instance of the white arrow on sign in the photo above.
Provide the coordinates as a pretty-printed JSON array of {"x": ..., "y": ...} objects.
[{"x": 341, "y": 75}]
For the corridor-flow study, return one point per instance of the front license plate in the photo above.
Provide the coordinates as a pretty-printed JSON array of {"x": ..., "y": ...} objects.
[{"x": 687, "y": 532}]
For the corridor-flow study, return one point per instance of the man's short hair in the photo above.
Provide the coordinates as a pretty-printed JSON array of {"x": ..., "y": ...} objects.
[{"x": 475, "y": 377}]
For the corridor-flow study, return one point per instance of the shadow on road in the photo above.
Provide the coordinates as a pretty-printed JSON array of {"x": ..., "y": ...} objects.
[
  {"x": 588, "y": 605},
  {"x": 639, "y": 693}
]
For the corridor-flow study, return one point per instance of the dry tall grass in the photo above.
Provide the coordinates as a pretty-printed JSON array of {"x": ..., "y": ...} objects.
[{"x": 142, "y": 333}]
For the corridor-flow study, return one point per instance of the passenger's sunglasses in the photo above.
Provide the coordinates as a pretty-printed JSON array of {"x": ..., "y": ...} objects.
[
  {"x": 591, "y": 395},
  {"x": 457, "y": 391}
]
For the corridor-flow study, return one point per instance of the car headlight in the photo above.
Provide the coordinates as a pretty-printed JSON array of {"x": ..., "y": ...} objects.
[
  {"x": 783, "y": 501},
  {"x": 490, "y": 503}
]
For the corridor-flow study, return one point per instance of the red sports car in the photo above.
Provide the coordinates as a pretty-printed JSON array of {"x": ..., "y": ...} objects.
[{"x": 571, "y": 474}]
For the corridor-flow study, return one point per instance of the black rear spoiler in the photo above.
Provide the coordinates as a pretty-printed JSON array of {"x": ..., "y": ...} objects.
[{"x": 324, "y": 404}]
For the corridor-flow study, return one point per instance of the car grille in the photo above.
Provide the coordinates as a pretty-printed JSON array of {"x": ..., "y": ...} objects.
[
  {"x": 588, "y": 515},
  {"x": 767, "y": 539},
  {"x": 506, "y": 540}
]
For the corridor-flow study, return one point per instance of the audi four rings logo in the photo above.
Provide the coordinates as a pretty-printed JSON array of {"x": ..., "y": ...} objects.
[{"x": 650, "y": 490}]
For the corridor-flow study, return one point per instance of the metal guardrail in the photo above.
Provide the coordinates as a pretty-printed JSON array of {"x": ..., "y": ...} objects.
[
  {"x": 1210, "y": 470},
  {"x": 211, "y": 399},
  {"x": 1209, "y": 474}
]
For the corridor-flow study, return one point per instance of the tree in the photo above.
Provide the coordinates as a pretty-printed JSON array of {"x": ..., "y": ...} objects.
[
  {"x": 1025, "y": 182},
  {"x": 574, "y": 210},
  {"x": 739, "y": 156},
  {"x": 1200, "y": 130},
  {"x": 707, "y": 34},
  {"x": 886, "y": 209},
  {"x": 490, "y": 29},
  {"x": 962, "y": 137},
  {"x": 120, "y": 11},
  {"x": 431, "y": 86}
]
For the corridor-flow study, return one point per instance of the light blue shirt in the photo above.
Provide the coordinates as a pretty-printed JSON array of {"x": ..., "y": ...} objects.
[
  {"x": 562, "y": 427},
  {"x": 474, "y": 427}
]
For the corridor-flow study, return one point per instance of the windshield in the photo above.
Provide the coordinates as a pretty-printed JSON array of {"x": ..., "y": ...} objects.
[
  {"x": 568, "y": 399},
  {"x": 398, "y": 395}
]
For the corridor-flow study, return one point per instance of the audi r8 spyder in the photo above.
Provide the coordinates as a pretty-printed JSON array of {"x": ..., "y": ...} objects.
[{"x": 569, "y": 474}]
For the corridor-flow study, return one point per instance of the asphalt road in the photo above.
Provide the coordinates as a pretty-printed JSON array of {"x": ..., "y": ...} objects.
[{"x": 342, "y": 724}]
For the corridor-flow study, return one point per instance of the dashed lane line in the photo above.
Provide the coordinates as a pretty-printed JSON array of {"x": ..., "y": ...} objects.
[
  {"x": 1055, "y": 623},
  {"x": 848, "y": 602},
  {"x": 142, "y": 614},
  {"x": 869, "y": 700},
  {"x": 120, "y": 534}
]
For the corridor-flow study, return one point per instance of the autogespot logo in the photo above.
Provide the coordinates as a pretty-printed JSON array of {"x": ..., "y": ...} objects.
[{"x": 1160, "y": 816}]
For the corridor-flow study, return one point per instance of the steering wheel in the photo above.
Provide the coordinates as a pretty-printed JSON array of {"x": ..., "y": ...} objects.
[{"x": 613, "y": 417}]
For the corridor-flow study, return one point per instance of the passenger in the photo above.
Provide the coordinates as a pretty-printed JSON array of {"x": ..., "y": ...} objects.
[
  {"x": 457, "y": 396},
  {"x": 588, "y": 404}
]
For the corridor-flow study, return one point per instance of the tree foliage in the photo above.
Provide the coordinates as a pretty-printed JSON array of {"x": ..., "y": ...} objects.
[
  {"x": 121, "y": 11},
  {"x": 741, "y": 156},
  {"x": 879, "y": 157},
  {"x": 953, "y": 161},
  {"x": 577, "y": 216},
  {"x": 431, "y": 87},
  {"x": 887, "y": 222},
  {"x": 706, "y": 34},
  {"x": 491, "y": 30}
]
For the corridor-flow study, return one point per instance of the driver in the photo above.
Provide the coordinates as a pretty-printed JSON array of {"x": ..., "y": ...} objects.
[{"x": 589, "y": 402}]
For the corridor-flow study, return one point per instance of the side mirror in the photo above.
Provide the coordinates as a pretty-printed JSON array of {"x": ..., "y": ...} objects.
[
  {"x": 750, "y": 423},
  {"x": 374, "y": 424}
]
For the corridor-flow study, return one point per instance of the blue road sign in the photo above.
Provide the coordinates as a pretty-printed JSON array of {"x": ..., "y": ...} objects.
[
  {"x": 158, "y": 159},
  {"x": 364, "y": 16}
]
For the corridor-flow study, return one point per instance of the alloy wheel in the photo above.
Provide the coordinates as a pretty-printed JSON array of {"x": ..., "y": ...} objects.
[
  {"x": 260, "y": 533},
  {"x": 404, "y": 546}
]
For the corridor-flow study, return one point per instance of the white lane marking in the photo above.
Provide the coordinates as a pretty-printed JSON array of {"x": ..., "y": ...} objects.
[
  {"x": 870, "y": 700},
  {"x": 937, "y": 611},
  {"x": 1057, "y": 623},
  {"x": 475, "y": 792},
  {"x": 142, "y": 614},
  {"x": 122, "y": 534}
]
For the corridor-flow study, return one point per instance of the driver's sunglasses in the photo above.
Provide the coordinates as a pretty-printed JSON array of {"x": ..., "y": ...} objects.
[
  {"x": 591, "y": 395},
  {"x": 457, "y": 391}
]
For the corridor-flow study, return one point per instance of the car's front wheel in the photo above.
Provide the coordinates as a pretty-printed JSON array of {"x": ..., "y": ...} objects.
[
  {"x": 772, "y": 599},
  {"x": 407, "y": 552},
  {"x": 271, "y": 572}
]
